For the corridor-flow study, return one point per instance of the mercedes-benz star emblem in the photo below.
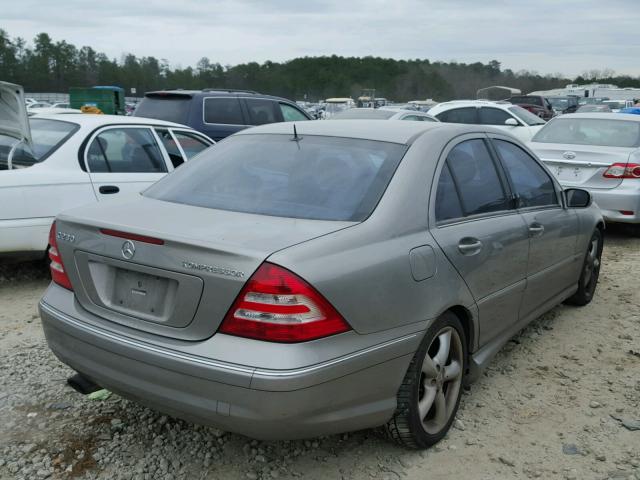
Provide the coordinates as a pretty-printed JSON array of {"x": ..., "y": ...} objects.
[{"x": 128, "y": 249}]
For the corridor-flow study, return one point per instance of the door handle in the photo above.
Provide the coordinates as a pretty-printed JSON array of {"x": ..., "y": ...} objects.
[
  {"x": 536, "y": 229},
  {"x": 469, "y": 246},
  {"x": 107, "y": 189}
]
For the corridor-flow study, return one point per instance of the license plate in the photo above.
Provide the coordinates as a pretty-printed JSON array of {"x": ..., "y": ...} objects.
[
  {"x": 568, "y": 174},
  {"x": 138, "y": 292}
]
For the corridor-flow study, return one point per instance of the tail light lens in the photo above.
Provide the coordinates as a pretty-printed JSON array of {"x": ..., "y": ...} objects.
[
  {"x": 276, "y": 305},
  {"x": 58, "y": 273},
  {"x": 623, "y": 170}
]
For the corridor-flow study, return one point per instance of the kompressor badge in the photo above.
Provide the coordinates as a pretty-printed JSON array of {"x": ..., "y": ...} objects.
[{"x": 213, "y": 269}]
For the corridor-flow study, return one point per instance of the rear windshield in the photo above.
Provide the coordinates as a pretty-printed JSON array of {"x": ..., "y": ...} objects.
[
  {"x": 590, "y": 131},
  {"x": 322, "y": 178},
  {"x": 171, "y": 108},
  {"x": 47, "y": 136}
]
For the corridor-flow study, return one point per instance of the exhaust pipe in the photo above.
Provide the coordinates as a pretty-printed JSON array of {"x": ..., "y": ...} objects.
[{"x": 82, "y": 384}]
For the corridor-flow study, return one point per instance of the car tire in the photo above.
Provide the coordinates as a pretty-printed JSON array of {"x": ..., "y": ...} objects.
[
  {"x": 590, "y": 271},
  {"x": 429, "y": 396}
]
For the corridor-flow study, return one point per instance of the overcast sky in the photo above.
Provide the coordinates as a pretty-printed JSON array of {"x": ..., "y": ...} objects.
[{"x": 567, "y": 36}]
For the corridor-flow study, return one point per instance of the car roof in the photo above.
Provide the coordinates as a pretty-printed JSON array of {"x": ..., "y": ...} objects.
[
  {"x": 471, "y": 103},
  {"x": 603, "y": 116},
  {"x": 96, "y": 120},
  {"x": 208, "y": 92},
  {"x": 394, "y": 132}
]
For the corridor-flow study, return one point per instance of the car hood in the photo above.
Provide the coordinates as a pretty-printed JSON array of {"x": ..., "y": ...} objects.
[{"x": 14, "y": 121}]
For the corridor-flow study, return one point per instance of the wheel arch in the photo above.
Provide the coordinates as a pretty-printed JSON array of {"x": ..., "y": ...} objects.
[{"x": 466, "y": 319}]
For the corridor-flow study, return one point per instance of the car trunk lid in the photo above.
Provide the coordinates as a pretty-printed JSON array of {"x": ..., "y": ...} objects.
[
  {"x": 14, "y": 121},
  {"x": 167, "y": 268},
  {"x": 582, "y": 166}
]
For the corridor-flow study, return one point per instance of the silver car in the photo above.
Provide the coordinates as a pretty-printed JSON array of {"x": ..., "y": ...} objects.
[
  {"x": 304, "y": 280},
  {"x": 599, "y": 152},
  {"x": 384, "y": 113}
]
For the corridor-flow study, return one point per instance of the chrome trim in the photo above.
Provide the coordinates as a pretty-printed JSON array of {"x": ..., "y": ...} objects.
[{"x": 222, "y": 365}]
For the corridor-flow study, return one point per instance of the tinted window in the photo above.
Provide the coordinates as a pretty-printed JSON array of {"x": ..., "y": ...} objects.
[
  {"x": 291, "y": 114},
  {"x": 323, "y": 178},
  {"x": 171, "y": 147},
  {"x": 493, "y": 116},
  {"x": 591, "y": 131},
  {"x": 263, "y": 111},
  {"x": 172, "y": 108},
  {"x": 476, "y": 177},
  {"x": 191, "y": 144},
  {"x": 225, "y": 110},
  {"x": 459, "y": 115},
  {"x": 531, "y": 183},
  {"x": 447, "y": 200},
  {"x": 131, "y": 150}
]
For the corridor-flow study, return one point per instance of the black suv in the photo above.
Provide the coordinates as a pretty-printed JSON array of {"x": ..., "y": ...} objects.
[{"x": 218, "y": 113}]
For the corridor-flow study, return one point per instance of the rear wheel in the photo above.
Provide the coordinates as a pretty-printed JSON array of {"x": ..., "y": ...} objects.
[
  {"x": 590, "y": 271},
  {"x": 430, "y": 393}
]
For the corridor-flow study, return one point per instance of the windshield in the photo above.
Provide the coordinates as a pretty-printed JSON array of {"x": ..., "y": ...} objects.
[
  {"x": 171, "y": 108},
  {"x": 591, "y": 131},
  {"x": 526, "y": 116},
  {"x": 47, "y": 136},
  {"x": 322, "y": 178}
]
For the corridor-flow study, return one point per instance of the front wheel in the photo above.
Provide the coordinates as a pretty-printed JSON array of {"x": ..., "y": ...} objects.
[
  {"x": 590, "y": 272},
  {"x": 429, "y": 396}
]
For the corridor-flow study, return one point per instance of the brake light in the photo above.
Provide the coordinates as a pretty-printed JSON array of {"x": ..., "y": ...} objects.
[
  {"x": 623, "y": 170},
  {"x": 131, "y": 236},
  {"x": 58, "y": 273},
  {"x": 276, "y": 305}
]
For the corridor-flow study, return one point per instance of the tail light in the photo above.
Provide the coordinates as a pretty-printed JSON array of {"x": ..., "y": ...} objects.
[
  {"x": 58, "y": 273},
  {"x": 276, "y": 305},
  {"x": 623, "y": 170}
]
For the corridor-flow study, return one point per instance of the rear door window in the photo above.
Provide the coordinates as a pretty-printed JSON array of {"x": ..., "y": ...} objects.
[
  {"x": 125, "y": 150},
  {"x": 291, "y": 114},
  {"x": 170, "y": 146},
  {"x": 459, "y": 115},
  {"x": 448, "y": 204},
  {"x": 493, "y": 116},
  {"x": 262, "y": 111},
  {"x": 223, "y": 110},
  {"x": 531, "y": 183},
  {"x": 476, "y": 178},
  {"x": 191, "y": 144}
]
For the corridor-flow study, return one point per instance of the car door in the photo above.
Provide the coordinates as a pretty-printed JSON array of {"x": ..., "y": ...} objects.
[
  {"x": 124, "y": 159},
  {"x": 222, "y": 116},
  {"x": 261, "y": 111},
  {"x": 481, "y": 233},
  {"x": 553, "y": 265}
]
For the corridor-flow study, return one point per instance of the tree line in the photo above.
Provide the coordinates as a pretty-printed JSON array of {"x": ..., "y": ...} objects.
[{"x": 54, "y": 66}]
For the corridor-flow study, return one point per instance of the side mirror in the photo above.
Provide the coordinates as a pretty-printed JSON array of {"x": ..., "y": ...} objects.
[
  {"x": 512, "y": 122},
  {"x": 577, "y": 198}
]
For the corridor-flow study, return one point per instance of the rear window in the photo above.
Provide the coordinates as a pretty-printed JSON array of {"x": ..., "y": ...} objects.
[
  {"x": 47, "y": 136},
  {"x": 527, "y": 100},
  {"x": 591, "y": 131},
  {"x": 171, "y": 108},
  {"x": 322, "y": 178}
]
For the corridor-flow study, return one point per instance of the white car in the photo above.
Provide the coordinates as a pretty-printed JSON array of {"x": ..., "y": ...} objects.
[
  {"x": 50, "y": 163},
  {"x": 513, "y": 119}
]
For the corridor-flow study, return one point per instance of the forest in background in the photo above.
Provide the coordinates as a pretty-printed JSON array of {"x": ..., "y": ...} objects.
[{"x": 52, "y": 66}]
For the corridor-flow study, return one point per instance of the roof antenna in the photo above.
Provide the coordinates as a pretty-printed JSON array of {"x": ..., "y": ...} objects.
[{"x": 296, "y": 137}]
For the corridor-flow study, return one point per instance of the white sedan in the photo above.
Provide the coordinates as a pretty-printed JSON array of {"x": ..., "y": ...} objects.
[{"x": 69, "y": 160}]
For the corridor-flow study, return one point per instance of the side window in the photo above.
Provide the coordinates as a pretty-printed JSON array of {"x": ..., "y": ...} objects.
[
  {"x": 447, "y": 200},
  {"x": 291, "y": 114},
  {"x": 171, "y": 147},
  {"x": 459, "y": 115},
  {"x": 476, "y": 178},
  {"x": 532, "y": 184},
  {"x": 263, "y": 111},
  {"x": 224, "y": 110},
  {"x": 125, "y": 150},
  {"x": 493, "y": 116},
  {"x": 416, "y": 118},
  {"x": 191, "y": 144}
]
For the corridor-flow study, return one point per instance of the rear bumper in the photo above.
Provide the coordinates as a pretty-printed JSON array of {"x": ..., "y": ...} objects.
[
  {"x": 348, "y": 393},
  {"x": 624, "y": 198}
]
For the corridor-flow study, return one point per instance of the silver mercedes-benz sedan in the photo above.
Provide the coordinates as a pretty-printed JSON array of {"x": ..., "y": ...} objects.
[
  {"x": 599, "y": 152},
  {"x": 303, "y": 280}
]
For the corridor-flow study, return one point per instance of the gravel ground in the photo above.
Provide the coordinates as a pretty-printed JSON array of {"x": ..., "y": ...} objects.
[{"x": 553, "y": 404}]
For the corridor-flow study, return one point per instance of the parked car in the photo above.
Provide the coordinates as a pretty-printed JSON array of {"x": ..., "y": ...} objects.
[
  {"x": 332, "y": 277},
  {"x": 218, "y": 113},
  {"x": 562, "y": 105},
  {"x": 512, "y": 119},
  {"x": 50, "y": 110},
  {"x": 49, "y": 163},
  {"x": 593, "y": 107},
  {"x": 599, "y": 152},
  {"x": 536, "y": 104},
  {"x": 37, "y": 105},
  {"x": 61, "y": 105},
  {"x": 383, "y": 114}
]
